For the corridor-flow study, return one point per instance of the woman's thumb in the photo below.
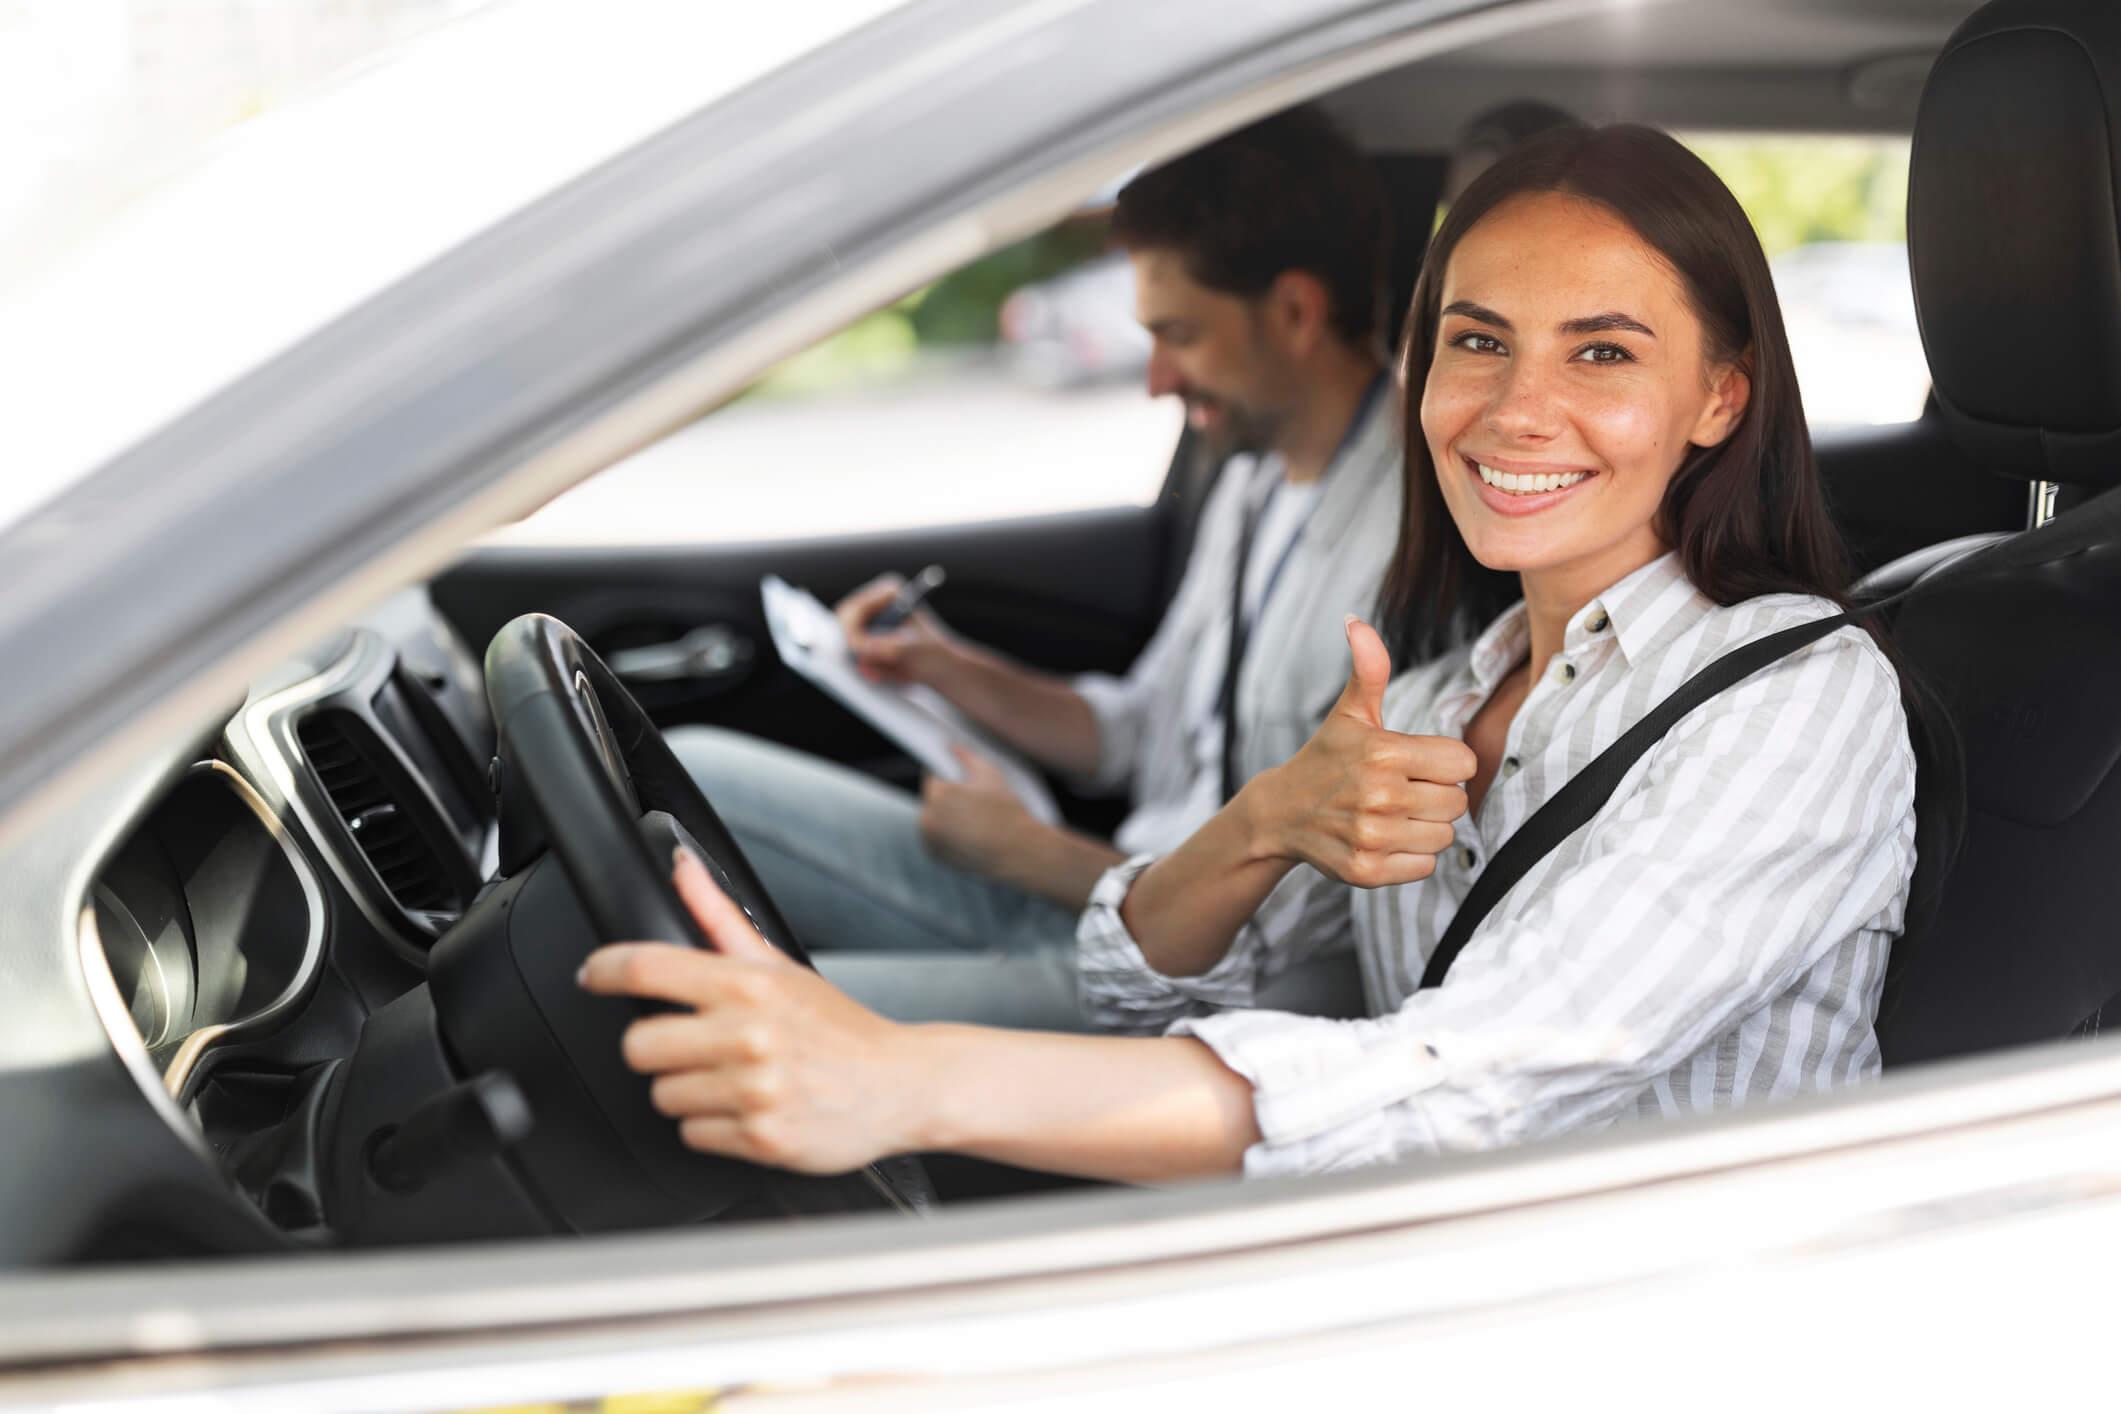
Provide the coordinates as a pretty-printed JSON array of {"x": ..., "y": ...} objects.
[{"x": 1369, "y": 669}]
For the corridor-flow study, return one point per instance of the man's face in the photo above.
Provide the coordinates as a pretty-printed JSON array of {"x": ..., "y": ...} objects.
[{"x": 1214, "y": 352}]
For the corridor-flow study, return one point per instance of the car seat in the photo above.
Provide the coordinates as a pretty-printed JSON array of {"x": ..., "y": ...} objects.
[{"x": 2014, "y": 234}]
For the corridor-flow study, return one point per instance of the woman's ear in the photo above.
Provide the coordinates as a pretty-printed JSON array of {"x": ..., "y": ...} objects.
[{"x": 1730, "y": 389}]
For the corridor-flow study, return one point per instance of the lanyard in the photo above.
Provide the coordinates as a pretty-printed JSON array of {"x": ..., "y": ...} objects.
[{"x": 1240, "y": 629}]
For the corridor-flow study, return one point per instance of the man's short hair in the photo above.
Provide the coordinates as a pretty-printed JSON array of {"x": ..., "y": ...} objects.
[{"x": 1290, "y": 192}]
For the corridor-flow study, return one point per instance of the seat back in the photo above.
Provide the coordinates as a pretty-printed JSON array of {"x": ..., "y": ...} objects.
[{"x": 2014, "y": 234}]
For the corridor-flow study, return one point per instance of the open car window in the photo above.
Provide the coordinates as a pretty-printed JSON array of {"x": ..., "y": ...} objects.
[
  {"x": 1831, "y": 211},
  {"x": 1010, "y": 388}
]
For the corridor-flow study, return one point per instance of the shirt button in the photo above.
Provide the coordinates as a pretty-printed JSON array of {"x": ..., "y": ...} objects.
[
  {"x": 1467, "y": 859},
  {"x": 1599, "y": 623},
  {"x": 1566, "y": 672},
  {"x": 1510, "y": 765}
]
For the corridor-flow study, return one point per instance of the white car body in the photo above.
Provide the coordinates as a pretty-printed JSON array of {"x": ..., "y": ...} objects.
[{"x": 1931, "y": 1240}]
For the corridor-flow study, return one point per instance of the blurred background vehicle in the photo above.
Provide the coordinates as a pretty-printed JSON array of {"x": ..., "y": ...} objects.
[{"x": 1078, "y": 327}]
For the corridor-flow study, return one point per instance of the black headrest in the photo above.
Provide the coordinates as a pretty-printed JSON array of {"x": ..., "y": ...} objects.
[{"x": 2014, "y": 239}]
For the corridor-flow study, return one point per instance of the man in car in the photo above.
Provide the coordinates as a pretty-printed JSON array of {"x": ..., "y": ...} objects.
[{"x": 1258, "y": 264}]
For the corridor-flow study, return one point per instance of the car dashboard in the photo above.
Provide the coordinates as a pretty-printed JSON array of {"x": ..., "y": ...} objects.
[{"x": 289, "y": 883}]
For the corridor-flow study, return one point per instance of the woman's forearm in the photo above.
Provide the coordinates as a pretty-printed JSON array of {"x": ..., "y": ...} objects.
[
  {"x": 1124, "y": 1109},
  {"x": 1056, "y": 863},
  {"x": 1186, "y": 908}
]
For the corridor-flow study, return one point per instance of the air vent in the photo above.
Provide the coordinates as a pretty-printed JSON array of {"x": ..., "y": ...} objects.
[{"x": 381, "y": 819}]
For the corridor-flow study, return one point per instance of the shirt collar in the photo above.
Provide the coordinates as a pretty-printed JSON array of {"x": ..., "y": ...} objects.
[
  {"x": 1642, "y": 610},
  {"x": 1500, "y": 648}
]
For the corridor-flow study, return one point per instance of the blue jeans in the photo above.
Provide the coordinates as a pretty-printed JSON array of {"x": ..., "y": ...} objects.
[{"x": 893, "y": 926}]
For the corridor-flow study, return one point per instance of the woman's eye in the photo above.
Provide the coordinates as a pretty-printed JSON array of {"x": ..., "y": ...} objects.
[
  {"x": 1478, "y": 343},
  {"x": 1605, "y": 353}
]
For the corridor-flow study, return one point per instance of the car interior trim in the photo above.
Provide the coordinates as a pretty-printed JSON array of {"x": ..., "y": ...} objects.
[
  {"x": 131, "y": 1051},
  {"x": 347, "y": 684},
  {"x": 193, "y": 1059}
]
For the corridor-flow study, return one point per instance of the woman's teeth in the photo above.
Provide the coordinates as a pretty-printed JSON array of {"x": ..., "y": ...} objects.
[{"x": 1530, "y": 483}]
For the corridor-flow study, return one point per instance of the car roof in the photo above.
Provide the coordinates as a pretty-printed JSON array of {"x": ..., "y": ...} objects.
[{"x": 1839, "y": 66}]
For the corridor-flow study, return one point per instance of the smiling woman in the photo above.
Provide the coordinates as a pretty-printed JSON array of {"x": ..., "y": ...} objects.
[
  {"x": 1600, "y": 402},
  {"x": 1531, "y": 412}
]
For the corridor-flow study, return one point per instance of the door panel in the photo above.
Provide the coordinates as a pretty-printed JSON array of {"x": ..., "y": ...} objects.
[{"x": 1064, "y": 593}]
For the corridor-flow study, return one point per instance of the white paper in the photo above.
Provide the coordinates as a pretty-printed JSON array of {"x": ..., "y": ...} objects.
[{"x": 921, "y": 721}]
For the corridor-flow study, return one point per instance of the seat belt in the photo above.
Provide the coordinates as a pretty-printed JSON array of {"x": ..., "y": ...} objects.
[{"x": 1585, "y": 793}]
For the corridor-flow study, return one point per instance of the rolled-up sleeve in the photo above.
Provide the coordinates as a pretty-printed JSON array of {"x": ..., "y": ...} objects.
[
  {"x": 1305, "y": 916},
  {"x": 1765, "y": 846}
]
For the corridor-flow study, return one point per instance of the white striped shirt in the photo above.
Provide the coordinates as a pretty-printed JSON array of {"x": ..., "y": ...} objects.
[{"x": 1718, "y": 933}]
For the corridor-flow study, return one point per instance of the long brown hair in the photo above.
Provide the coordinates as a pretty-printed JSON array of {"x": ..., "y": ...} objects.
[{"x": 1749, "y": 515}]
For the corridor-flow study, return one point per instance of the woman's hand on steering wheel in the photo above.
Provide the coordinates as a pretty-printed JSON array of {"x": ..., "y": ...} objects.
[
  {"x": 1365, "y": 805},
  {"x": 771, "y": 1063}
]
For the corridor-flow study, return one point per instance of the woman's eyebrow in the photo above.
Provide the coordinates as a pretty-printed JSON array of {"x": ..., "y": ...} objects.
[
  {"x": 1478, "y": 312},
  {"x": 1607, "y": 323}
]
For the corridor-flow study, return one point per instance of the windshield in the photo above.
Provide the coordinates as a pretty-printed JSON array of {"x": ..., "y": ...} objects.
[{"x": 185, "y": 194}]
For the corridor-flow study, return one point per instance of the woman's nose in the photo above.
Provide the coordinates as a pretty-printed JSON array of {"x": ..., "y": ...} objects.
[{"x": 1526, "y": 404}]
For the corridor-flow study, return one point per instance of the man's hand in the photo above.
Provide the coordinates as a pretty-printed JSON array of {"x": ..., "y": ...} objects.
[
  {"x": 1367, "y": 806},
  {"x": 980, "y": 826},
  {"x": 773, "y": 1063},
  {"x": 1037, "y": 713},
  {"x": 918, "y": 650},
  {"x": 976, "y": 824}
]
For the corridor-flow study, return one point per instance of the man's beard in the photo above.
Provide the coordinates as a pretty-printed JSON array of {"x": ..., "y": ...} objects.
[{"x": 1241, "y": 429}]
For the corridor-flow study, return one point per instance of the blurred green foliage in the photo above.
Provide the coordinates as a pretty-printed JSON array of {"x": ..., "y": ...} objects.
[
  {"x": 960, "y": 310},
  {"x": 963, "y": 307},
  {"x": 1804, "y": 189}
]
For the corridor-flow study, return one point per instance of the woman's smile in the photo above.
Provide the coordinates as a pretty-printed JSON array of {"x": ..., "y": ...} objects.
[{"x": 1514, "y": 488}]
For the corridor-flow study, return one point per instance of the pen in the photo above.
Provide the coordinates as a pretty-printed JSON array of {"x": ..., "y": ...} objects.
[{"x": 908, "y": 598}]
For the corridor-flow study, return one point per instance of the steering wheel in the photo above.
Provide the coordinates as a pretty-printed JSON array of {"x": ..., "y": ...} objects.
[
  {"x": 608, "y": 796},
  {"x": 587, "y": 782}
]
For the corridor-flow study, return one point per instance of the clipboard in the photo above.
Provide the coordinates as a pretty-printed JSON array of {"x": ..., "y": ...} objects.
[{"x": 919, "y": 720}]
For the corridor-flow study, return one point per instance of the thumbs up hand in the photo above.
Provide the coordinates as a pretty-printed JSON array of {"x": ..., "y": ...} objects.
[
  {"x": 1370, "y": 668},
  {"x": 1367, "y": 806}
]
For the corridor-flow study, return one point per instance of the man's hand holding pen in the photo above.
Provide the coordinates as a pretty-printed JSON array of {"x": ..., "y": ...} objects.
[{"x": 893, "y": 638}]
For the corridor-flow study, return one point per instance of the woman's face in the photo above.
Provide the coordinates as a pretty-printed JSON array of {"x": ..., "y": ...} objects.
[{"x": 1570, "y": 378}]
